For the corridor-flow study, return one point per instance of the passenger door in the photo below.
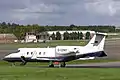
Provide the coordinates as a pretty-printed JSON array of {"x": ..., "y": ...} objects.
[{"x": 34, "y": 55}]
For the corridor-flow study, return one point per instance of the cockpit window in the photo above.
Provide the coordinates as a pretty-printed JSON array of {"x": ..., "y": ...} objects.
[
  {"x": 16, "y": 51},
  {"x": 13, "y": 52},
  {"x": 44, "y": 53},
  {"x": 31, "y": 52}
]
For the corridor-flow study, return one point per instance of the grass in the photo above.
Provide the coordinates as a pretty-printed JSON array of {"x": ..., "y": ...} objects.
[
  {"x": 50, "y": 44},
  {"x": 32, "y": 73},
  {"x": 9, "y": 46}
]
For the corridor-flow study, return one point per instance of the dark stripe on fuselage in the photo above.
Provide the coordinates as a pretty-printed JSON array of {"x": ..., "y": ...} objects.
[
  {"x": 59, "y": 59},
  {"x": 95, "y": 54}
]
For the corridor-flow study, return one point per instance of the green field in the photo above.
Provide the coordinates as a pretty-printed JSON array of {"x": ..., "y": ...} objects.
[
  {"x": 36, "y": 73},
  {"x": 50, "y": 44}
]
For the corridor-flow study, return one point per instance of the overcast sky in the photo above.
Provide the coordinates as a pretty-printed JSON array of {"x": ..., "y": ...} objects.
[{"x": 61, "y": 12}]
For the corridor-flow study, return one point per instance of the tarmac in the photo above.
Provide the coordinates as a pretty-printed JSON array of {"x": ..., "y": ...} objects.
[
  {"x": 112, "y": 48},
  {"x": 96, "y": 65},
  {"x": 88, "y": 65}
]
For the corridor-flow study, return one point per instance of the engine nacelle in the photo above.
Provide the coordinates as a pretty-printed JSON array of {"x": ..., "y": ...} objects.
[
  {"x": 89, "y": 58},
  {"x": 62, "y": 50}
]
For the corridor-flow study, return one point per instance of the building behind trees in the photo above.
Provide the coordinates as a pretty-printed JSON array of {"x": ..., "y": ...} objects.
[{"x": 8, "y": 38}]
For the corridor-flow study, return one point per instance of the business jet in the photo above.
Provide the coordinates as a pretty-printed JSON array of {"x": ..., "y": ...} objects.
[{"x": 60, "y": 54}]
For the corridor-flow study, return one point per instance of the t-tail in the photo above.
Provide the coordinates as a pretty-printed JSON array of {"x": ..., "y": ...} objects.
[
  {"x": 97, "y": 44},
  {"x": 97, "y": 41}
]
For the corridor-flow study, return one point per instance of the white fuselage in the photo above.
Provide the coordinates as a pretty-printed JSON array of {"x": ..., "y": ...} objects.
[
  {"x": 59, "y": 53},
  {"x": 95, "y": 48}
]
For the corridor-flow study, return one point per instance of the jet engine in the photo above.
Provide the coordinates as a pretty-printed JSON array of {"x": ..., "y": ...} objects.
[{"x": 63, "y": 50}]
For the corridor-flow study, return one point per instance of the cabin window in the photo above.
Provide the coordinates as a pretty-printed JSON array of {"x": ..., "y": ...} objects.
[
  {"x": 39, "y": 53},
  {"x": 27, "y": 53},
  {"x": 43, "y": 53},
  {"x": 31, "y": 52},
  {"x": 74, "y": 48}
]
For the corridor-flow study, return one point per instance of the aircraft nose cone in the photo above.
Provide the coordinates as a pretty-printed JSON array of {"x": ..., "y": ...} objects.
[{"x": 4, "y": 59}]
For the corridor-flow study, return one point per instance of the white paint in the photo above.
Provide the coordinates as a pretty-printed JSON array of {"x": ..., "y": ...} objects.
[
  {"x": 30, "y": 38},
  {"x": 62, "y": 51}
]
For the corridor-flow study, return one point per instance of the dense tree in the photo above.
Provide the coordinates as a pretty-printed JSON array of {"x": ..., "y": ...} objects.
[
  {"x": 20, "y": 30},
  {"x": 3, "y": 25},
  {"x": 66, "y": 35},
  {"x": 87, "y": 36},
  {"x": 72, "y": 36},
  {"x": 72, "y": 26},
  {"x": 58, "y": 36},
  {"x": 80, "y": 35},
  {"x": 75, "y": 35},
  {"x": 53, "y": 36}
]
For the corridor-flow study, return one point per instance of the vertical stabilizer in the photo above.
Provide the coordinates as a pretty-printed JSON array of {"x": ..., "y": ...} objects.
[{"x": 98, "y": 41}]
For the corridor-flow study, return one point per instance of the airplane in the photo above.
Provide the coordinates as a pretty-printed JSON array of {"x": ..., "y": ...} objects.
[{"x": 60, "y": 54}]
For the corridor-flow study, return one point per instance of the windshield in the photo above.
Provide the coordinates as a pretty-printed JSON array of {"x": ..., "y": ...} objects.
[{"x": 16, "y": 51}]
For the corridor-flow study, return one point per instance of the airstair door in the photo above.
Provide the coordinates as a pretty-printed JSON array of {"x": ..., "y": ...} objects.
[{"x": 34, "y": 55}]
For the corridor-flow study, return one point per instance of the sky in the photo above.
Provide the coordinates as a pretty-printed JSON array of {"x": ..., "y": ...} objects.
[{"x": 61, "y": 12}]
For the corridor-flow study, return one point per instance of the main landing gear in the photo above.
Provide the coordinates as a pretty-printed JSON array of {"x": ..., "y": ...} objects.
[
  {"x": 24, "y": 62},
  {"x": 61, "y": 64}
]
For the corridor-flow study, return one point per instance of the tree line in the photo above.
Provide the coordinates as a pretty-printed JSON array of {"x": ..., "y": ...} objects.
[
  {"x": 70, "y": 36},
  {"x": 20, "y": 30}
]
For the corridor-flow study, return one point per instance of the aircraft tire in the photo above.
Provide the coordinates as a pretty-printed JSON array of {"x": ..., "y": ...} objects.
[
  {"x": 52, "y": 65},
  {"x": 62, "y": 64}
]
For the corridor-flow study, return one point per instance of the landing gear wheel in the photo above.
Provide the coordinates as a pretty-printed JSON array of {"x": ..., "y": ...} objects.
[
  {"x": 52, "y": 65},
  {"x": 62, "y": 64}
]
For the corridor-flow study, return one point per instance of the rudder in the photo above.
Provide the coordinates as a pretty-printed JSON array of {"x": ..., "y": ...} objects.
[{"x": 98, "y": 41}]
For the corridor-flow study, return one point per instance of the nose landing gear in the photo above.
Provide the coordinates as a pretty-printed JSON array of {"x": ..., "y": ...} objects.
[{"x": 23, "y": 61}]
